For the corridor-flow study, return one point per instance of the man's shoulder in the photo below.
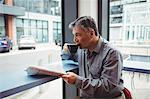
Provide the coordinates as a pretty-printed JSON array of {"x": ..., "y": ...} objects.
[{"x": 110, "y": 47}]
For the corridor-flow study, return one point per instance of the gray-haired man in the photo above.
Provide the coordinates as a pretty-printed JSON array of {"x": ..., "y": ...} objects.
[{"x": 100, "y": 64}]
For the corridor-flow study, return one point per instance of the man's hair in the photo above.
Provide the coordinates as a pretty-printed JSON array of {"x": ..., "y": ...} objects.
[{"x": 85, "y": 22}]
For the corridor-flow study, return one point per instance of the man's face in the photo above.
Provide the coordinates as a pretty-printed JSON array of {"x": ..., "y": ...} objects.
[{"x": 82, "y": 37}]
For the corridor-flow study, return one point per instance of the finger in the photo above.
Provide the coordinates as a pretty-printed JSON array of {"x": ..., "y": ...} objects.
[
  {"x": 66, "y": 80},
  {"x": 65, "y": 47},
  {"x": 64, "y": 76},
  {"x": 60, "y": 76}
]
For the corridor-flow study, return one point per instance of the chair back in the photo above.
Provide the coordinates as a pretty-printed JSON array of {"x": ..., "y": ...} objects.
[{"x": 127, "y": 93}]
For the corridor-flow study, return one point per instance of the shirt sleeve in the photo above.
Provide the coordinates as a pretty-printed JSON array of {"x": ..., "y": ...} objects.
[
  {"x": 68, "y": 56},
  {"x": 109, "y": 77}
]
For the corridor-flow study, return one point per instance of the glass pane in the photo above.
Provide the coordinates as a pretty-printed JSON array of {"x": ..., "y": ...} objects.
[
  {"x": 20, "y": 3},
  {"x": 20, "y": 31},
  {"x": 2, "y": 21},
  {"x": 26, "y": 31},
  {"x": 2, "y": 30},
  {"x": 26, "y": 23},
  {"x": 19, "y": 23},
  {"x": 45, "y": 35},
  {"x": 2, "y": 26},
  {"x": 57, "y": 32},
  {"x": 33, "y": 33},
  {"x": 59, "y": 25},
  {"x": 39, "y": 35},
  {"x": 38, "y": 16},
  {"x": 55, "y": 25},
  {"x": 130, "y": 28},
  {"x": 45, "y": 24},
  {"x": 33, "y": 23},
  {"x": 39, "y": 24}
]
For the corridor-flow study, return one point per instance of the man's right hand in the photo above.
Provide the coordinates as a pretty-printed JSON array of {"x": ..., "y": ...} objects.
[{"x": 65, "y": 47}]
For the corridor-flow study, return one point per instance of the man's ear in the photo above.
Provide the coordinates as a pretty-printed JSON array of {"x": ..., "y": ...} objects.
[{"x": 92, "y": 32}]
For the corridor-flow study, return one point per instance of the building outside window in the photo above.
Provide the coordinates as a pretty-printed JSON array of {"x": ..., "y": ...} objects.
[
  {"x": 129, "y": 31},
  {"x": 117, "y": 9},
  {"x": 51, "y": 7},
  {"x": 57, "y": 37},
  {"x": 2, "y": 26},
  {"x": 38, "y": 20},
  {"x": 130, "y": 28},
  {"x": 37, "y": 28}
]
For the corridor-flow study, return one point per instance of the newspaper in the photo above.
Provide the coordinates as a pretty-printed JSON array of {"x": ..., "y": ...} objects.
[{"x": 54, "y": 69}]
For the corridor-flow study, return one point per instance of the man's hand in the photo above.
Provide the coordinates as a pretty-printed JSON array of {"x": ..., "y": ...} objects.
[
  {"x": 65, "y": 47},
  {"x": 70, "y": 77}
]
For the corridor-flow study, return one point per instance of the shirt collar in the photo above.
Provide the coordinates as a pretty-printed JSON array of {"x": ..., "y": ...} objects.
[{"x": 98, "y": 46}]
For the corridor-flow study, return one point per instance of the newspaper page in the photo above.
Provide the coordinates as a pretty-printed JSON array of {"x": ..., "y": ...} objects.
[{"x": 54, "y": 69}]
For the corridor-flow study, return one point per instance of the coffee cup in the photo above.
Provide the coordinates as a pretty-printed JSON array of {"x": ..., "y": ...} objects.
[{"x": 72, "y": 48}]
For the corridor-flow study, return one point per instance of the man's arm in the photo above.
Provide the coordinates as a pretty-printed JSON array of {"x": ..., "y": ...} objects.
[
  {"x": 66, "y": 55},
  {"x": 108, "y": 81}
]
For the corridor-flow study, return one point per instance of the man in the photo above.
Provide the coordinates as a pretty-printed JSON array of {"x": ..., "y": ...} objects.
[{"x": 100, "y": 64}]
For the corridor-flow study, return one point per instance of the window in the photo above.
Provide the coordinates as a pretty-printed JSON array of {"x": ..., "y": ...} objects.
[
  {"x": 52, "y": 7},
  {"x": 2, "y": 26},
  {"x": 38, "y": 20},
  {"x": 57, "y": 33},
  {"x": 116, "y": 9},
  {"x": 37, "y": 28},
  {"x": 1, "y": 1},
  {"x": 114, "y": 20},
  {"x": 133, "y": 1},
  {"x": 132, "y": 36}
]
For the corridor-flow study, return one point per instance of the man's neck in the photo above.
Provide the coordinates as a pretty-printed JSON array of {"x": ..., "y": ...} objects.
[{"x": 93, "y": 44}]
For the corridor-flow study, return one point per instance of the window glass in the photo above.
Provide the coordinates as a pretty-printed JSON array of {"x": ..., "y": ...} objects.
[
  {"x": 33, "y": 23},
  {"x": 33, "y": 32},
  {"x": 130, "y": 28},
  {"x": 45, "y": 24},
  {"x": 45, "y": 35},
  {"x": 1, "y": 1},
  {"x": 57, "y": 32},
  {"x": 20, "y": 3},
  {"x": 52, "y": 7},
  {"x": 39, "y": 24},
  {"x": 59, "y": 25},
  {"x": 39, "y": 35},
  {"x": 19, "y": 23},
  {"x": 26, "y": 31},
  {"x": 2, "y": 30},
  {"x": 37, "y": 28},
  {"x": 2, "y": 26},
  {"x": 39, "y": 15},
  {"x": 20, "y": 31},
  {"x": 26, "y": 23}
]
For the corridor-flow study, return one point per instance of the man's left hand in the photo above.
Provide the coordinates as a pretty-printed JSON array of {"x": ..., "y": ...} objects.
[{"x": 70, "y": 77}]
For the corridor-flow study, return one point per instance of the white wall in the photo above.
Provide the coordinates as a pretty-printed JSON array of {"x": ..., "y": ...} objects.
[{"x": 88, "y": 8}]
